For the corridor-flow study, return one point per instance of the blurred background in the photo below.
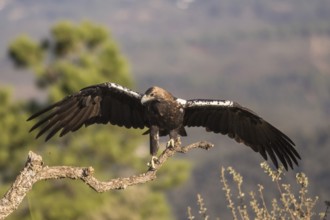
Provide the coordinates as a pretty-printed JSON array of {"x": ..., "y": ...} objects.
[{"x": 272, "y": 56}]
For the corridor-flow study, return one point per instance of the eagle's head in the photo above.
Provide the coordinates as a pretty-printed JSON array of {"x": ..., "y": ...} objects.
[{"x": 156, "y": 94}]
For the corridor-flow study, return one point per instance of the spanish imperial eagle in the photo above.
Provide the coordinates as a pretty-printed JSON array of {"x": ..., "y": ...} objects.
[{"x": 163, "y": 114}]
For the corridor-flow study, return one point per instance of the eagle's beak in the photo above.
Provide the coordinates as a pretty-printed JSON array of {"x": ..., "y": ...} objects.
[{"x": 146, "y": 98}]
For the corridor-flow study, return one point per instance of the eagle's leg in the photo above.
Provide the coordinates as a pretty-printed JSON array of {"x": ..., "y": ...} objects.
[{"x": 154, "y": 146}]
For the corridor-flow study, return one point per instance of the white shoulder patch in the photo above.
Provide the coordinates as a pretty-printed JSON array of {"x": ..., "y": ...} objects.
[
  {"x": 181, "y": 101},
  {"x": 123, "y": 89},
  {"x": 202, "y": 102}
]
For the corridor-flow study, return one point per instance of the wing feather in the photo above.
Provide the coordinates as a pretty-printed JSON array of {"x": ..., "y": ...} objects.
[
  {"x": 126, "y": 112},
  {"x": 97, "y": 104},
  {"x": 59, "y": 110},
  {"x": 58, "y": 119},
  {"x": 243, "y": 125},
  {"x": 67, "y": 126},
  {"x": 284, "y": 157},
  {"x": 78, "y": 119}
]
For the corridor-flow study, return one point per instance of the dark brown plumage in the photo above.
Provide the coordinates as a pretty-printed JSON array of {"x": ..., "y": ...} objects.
[{"x": 165, "y": 114}]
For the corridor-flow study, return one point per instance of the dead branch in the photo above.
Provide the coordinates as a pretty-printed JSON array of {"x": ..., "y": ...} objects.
[{"x": 35, "y": 170}]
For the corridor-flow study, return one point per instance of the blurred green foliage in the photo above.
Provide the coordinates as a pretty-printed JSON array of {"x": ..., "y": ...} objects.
[
  {"x": 25, "y": 52},
  {"x": 75, "y": 56}
]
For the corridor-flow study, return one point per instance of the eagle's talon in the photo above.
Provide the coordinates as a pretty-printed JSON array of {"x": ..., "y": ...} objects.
[
  {"x": 170, "y": 143},
  {"x": 151, "y": 164}
]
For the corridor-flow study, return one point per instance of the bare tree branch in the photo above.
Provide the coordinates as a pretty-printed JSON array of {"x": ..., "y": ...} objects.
[{"x": 35, "y": 170}]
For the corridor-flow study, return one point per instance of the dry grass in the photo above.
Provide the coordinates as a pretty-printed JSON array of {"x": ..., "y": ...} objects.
[{"x": 289, "y": 205}]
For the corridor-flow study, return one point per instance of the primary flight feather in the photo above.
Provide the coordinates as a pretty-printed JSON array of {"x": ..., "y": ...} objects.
[{"x": 164, "y": 114}]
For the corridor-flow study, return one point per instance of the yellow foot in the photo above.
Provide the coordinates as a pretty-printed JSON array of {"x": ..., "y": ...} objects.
[
  {"x": 170, "y": 143},
  {"x": 152, "y": 162}
]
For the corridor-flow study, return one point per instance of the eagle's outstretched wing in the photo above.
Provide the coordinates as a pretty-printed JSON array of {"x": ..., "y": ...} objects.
[
  {"x": 102, "y": 103},
  {"x": 240, "y": 123}
]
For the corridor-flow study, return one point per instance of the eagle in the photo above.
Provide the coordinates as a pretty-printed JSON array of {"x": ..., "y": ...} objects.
[{"x": 164, "y": 114}]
